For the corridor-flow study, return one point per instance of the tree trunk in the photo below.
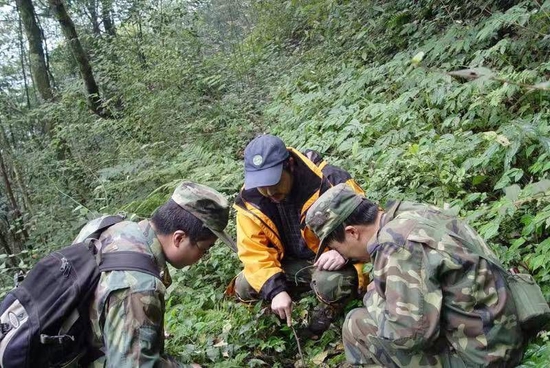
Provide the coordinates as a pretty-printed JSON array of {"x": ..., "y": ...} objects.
[
  {"x": 7, "y": 183},
  {"x": 37, "y": 60},
  {"x": 5, "y": 245},
  {"x": 91, "y": 5},
  {"x": 18, "y": 178},
  {"x": 106, "y": 15},
  {"x": 13, "y": 203},
  {"x": 24, "y": 193},
  {"x": 69, "y": 31},
  {"x": 141, "y": 55},
  {"x": 22, "y": 59}
]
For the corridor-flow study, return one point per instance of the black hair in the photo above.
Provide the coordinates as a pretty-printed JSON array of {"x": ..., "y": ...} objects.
[
  {"x": 289, "y": 163},
  {"x": 364, "y": 214},
  {"x": 286, "y": 163},
  {"x": 170, "y": 217}
]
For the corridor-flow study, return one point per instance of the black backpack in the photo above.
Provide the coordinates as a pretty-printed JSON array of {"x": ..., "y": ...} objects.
[{"x": 44, "y": 322}]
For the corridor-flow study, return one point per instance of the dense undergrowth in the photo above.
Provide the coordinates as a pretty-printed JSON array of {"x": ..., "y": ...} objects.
[{"x": 368, "y": 83}]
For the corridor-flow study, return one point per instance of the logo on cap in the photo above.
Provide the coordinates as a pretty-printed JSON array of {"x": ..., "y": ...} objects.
[{"x": 257, "y": 160}]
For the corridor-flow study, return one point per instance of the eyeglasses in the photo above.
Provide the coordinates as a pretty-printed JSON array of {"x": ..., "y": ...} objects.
[{"x": 204, "y": 245}]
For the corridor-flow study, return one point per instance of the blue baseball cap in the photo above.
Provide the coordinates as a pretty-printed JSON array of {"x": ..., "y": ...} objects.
[{"x": 263, "y": 161}]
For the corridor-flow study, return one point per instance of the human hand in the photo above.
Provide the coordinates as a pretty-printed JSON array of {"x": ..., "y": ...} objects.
[
  {"x": 330, "y": 261},
  {"x": 282, "y": 306}
]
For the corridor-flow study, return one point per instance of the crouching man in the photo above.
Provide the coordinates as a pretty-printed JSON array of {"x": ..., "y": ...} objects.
[
  {"x": 127, "y": 311},
  {"x": 435, "y": 300}
]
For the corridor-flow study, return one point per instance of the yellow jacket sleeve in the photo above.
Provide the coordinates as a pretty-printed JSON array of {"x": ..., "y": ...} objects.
[{"x": 259, "y": 253}]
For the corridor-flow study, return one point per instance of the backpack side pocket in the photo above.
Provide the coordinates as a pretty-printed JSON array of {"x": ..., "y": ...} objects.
[
  {"x": 532, "y": 308},
  {"x": 16, "y": 333}
]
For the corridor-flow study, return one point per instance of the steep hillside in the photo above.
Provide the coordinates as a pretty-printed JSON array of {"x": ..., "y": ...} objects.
[{"x": 433, "y": 101}]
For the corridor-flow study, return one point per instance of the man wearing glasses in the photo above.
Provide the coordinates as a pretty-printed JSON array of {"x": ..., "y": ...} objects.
[
  {"x": 277, "y": 250},
  {"x": 127, "y": 310}
]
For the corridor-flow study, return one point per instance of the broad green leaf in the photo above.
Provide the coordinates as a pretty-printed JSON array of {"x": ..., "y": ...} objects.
[
  {"x": 489, "y": 230},
  {"x": 478, "y": 179},
  {"x": 512, "y": 192},
  {"x": 538, "y": 261},
  {"x": 516, "y": 244}
]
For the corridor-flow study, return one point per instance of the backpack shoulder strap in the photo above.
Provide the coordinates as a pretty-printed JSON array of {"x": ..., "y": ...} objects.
[
  {"x": 129, "y": 261},
  {"x": 126, "y": 260}
]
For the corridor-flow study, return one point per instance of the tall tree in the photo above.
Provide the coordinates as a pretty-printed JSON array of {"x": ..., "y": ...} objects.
[
  {"x": 8, "y": 153},
  {"x": 69, "y": 31},
  {"x": 4, "y": 243},
  {"x": 7, "y": 184},
  {"x": 22, "y": 58},
  {"x": 36, "y": 50},
  {"x": 12, "y": 201},
  {"x": 8, "y": 240},
  {"x": 91, "y": 7},
  {"x": 107, "y": 17}
]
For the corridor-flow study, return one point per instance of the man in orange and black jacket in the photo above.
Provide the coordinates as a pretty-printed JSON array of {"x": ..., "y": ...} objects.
[{"x": 276, "y": 248}]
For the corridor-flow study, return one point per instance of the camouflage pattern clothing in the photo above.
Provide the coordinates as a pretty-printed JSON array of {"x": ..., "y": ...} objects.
[
  {"x": 433, "y": 302},
  {"x": 127, "y": 311}
]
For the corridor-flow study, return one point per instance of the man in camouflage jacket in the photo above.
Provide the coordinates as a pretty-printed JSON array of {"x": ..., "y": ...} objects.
[
  {"x": 127, "y": 311},
  {"x": 435, "y": 301}
]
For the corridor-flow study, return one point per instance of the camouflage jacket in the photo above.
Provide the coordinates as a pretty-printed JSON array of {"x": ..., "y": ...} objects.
[
  {"x": 127, "y": 311},
  {"x": 431, "y": 288}
]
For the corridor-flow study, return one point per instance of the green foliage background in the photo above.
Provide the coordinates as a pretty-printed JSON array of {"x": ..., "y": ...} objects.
[{"x": 366, "y": 83}]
